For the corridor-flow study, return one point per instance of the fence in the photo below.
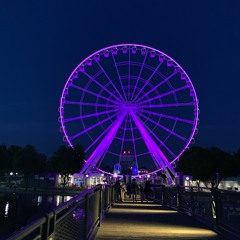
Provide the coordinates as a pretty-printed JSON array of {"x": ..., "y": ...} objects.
[
  {"x": 218, "y": 209},
  {"x": 75, "y": 219},
  {"x": 80, "y": 217}
]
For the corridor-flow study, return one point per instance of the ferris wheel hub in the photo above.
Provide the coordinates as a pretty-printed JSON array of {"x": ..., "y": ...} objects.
[{"x": 130, "y": 106}]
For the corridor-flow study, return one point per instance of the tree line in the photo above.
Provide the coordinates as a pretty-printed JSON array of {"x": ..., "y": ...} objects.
[
  {"x": 209, "y": 165},
  {"x": 28, "y": 161}
]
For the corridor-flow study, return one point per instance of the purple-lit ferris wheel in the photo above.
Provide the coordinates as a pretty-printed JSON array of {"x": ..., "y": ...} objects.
[{"x": 129, "y": 98}]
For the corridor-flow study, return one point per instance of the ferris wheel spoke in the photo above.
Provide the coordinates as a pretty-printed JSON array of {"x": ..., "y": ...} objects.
[
  {"x": 167, "y": 105},
  {"x": 160, "y": 159},
  {"x": 129, "y": 73},
  {"x": 98, "y": 138},
  {"x": 148, "y": 80},
  {"x": 164, "y": 128},
  {"x": 124, "y": 133},
  {"x": 100, "y": 85},
  {"x": 92, "y": 93},
  {"x": 164, "y": 94},
  {"x": 168, "y": 117},
  {"x": 99, "y": 162},
  {"x": 89, "y": 115},
  {"x": 139, "y": 75},
  {"x": 133, "y": 141},
  {"x": 109, "y": 79},
  {"x": 116, "y": 67},
  {"x": 160, "y": 141},
  {"x": 105, "y": 143},
  {"x": 142, "y": 154},
  {"x": 92, "y": 127},
  {"x": 89, "y": 104},
  {"x": 157, "y": 86}
]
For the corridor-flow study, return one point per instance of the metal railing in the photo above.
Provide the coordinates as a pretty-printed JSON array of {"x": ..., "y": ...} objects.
[
  {"x": 78, "y": 218},
  {"x": 219, "y": 209}
]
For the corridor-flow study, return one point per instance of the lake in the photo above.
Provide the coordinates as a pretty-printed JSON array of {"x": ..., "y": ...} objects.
[{"x": 18, "y": 209}]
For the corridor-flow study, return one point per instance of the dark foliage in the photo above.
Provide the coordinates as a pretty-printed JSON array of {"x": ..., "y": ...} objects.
[{"x": 208, "y": 165}]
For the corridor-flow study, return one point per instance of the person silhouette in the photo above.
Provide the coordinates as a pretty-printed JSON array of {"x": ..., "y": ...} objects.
[
  {"x": 117, "y": 188},
  {"x": 134, "y": 189},
  {"x": 147, "y": 189}
]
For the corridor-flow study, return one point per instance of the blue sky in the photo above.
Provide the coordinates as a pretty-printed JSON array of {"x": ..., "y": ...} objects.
[{"x": 43, "y": 41}]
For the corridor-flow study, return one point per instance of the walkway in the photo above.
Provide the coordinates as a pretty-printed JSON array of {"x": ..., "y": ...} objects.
[{"x": 150, "y": 221}]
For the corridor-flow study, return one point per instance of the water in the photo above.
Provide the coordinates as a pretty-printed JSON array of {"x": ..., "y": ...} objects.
[{"x": 18, "y": 209}]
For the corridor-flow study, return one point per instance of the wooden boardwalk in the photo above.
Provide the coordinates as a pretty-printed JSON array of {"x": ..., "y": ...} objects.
[{"x": 150, "y": 221}]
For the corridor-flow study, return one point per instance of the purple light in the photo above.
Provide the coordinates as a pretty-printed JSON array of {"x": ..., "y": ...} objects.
[
  {"x": 152, "y": 54},
  {"x": 89, "y": 62},
  {"x": 90, "y": 128},
  {"x": 134, "y": 50},
  {"x": 114, "y": 51},
  {"x": 97, "y": 57},
  {"x": 106, "y": 53},
  {"x": 158, "y": 156},
  {"x": 81, "y": 68},
  {"x": 128, "y": 96},
  {"x": 124, "y": 49},
  {"x": 104, "y": 145},
  {"x": 143, "y": 51}
]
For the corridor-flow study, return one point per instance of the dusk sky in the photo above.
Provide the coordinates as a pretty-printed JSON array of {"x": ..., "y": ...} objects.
[{"x": 41, "y": 42}]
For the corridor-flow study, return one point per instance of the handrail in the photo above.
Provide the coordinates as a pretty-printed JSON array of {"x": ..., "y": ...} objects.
[
  {"x": 217, "y": 208},
  {"x": 80, "y": 211},
  {"x": 28, "y": 229}
]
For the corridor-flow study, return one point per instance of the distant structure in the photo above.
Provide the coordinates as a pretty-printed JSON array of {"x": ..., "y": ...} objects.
[{"x": 129, "y": 96}]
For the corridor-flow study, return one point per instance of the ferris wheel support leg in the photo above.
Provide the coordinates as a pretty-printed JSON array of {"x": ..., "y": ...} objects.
[
  {"x": 158, "y": 157},
  {"x": 95, "y": 157}
]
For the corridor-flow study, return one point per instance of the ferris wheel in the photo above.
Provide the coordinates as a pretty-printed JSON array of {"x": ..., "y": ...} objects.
[{"x": 129, "y": 103}]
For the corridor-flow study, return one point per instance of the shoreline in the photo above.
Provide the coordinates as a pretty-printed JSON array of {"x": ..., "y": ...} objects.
[{"x": 47, "y": 190}]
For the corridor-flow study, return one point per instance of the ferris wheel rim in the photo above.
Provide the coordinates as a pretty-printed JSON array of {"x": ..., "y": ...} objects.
[{"x": 129, "y": 45}]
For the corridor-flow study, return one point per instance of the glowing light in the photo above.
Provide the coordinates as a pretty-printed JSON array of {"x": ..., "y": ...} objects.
[
  {"x": 6, "y": 209},
  {"x": 39, "y": 200},
  {"x": 154, "y": 230},
  {"x": 106, "y": 53},
  {"x": 78, "y": 214},
  {"x": 127, "y": 104}
]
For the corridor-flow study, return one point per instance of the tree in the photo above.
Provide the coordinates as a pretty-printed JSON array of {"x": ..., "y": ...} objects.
[
  {"x": 12, "y": 151},
  {"x": 66, "y": 161},
  {"x": 207, "y": 165},
  {"x": 3, "y": 159},
  {"x": 28, "y": 161},
  {"x": 236, "y": 165}
]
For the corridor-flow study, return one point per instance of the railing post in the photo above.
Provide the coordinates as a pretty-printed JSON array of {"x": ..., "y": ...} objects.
[
  {"x": 170, "y": 196},
  {"x": 112, "y": 194},
  {"x": 192, "y": 201},
  {"x": 49, "y": 226},
  {"x": 179, "y": 197},
  {"x": 217, "y": 207},
  {"x": 86, "y": 216},
  {"x": 100, "y": 204},
  {"x": 164, "y": 196}
]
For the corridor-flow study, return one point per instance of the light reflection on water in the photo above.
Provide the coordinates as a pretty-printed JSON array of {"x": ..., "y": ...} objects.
[
  {"x": 6, "y": 209},
  {"x": 18, "y": 209}
]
